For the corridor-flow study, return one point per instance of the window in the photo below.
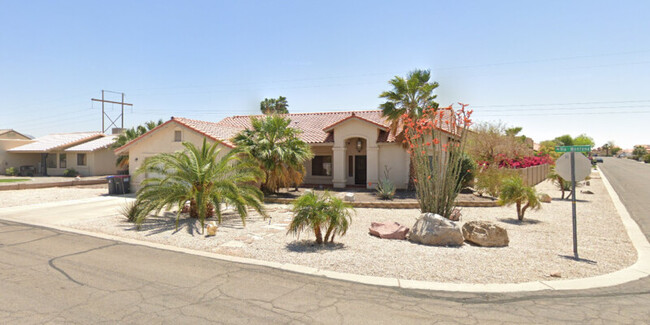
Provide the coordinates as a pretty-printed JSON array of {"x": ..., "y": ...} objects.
[
  {"x": 350, "y": 166},
  {"x": 178, "y": 136},
  {"x": 62, "y": 160},
  {"x": 50, "y": 161},
  {"x": 321, "y": 166},
  {"x": 81, "y": 159}
]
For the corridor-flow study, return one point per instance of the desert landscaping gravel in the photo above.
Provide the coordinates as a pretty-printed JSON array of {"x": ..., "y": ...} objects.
[
  {"x": 539, "y": 246},
  {"x": 51, "y": 194}
]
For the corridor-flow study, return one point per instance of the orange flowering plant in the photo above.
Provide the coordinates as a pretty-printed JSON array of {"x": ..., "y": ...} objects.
[{"x": 436, "y": 142}]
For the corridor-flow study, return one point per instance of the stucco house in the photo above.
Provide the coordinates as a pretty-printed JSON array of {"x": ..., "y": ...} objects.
[
  {"x": 11, "y": 139},
  {"x": 351, "y": 149},
  {"x": 89, "y": 153}
]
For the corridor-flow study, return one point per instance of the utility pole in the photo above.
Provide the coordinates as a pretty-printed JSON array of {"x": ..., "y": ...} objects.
[{"x": 104, "y": 115}]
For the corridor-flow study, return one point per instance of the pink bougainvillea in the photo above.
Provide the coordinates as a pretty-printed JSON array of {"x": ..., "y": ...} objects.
[{"x": 521, "y": 162}]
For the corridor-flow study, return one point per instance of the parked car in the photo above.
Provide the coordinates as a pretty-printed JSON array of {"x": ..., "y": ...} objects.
[{"x": 598, "y": 159}]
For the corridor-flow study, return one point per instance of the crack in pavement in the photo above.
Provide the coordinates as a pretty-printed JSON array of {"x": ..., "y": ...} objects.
[{"x": 51, "y": 261}]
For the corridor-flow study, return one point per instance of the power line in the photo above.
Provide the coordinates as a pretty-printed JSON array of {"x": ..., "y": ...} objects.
[
  {"x": 570, "y": 103},
  {"x": 560, "y": 114}
]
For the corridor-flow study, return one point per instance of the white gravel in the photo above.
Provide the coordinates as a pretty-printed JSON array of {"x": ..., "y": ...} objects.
[
  {"x": 538, "y": 247},
  {"x": 51, "y": 194}
]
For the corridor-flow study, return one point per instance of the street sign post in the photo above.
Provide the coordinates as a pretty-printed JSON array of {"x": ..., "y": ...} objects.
[{"x": 576, "y": 168}]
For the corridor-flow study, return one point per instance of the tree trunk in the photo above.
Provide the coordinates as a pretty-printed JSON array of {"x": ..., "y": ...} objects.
[
  {"x": 411, "y": 184},
  {"x": 328, "y": 233},
  {"x": 523, "y": 211},
  {"x": 520, "y": 215},
  {"x": 319, "y": 235}
]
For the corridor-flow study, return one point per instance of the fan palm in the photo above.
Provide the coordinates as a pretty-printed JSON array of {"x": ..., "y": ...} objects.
[
  {"x": 131, "y": 134},
  {"x": 278, "y": 149},
  {"x": 513, "y": 191},
  {"x": 199, "y": 175},
  {"x": 409, "y": 96}
]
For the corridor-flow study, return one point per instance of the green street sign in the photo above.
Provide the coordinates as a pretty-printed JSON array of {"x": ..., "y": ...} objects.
[{"x": 572, "y": 148}]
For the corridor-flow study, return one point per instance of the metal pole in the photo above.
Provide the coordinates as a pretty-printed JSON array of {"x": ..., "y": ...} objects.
[
  {"x": 102, "y": 111},
  {"x": 122, "y": 111},
  {"x": 573, "y": 205}
]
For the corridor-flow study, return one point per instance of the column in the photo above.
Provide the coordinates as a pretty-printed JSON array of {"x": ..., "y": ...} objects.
[
  {"x": 338, "y": 167},
  {"x": 372, "y": 157}
]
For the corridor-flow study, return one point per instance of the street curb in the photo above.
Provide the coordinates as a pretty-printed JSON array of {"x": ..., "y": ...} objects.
[{"x": 638, "y": 270}]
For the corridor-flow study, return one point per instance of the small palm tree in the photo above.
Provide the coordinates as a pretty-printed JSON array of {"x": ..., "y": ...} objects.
[
  {"x": 131, "y": 134},
  {"x": 279, "y": 151},
  {"x": 513, "y": 191},
  {"x": 320, "y": 214},
  {"x": 560, "y": 182},
  {"x": 198, "y": 175}
]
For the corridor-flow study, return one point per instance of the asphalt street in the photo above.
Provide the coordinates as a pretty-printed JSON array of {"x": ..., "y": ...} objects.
[{"x": 51, "y": 276}]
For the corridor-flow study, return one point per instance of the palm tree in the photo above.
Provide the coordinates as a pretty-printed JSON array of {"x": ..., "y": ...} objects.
[
  {"x": 274, "y": 106},
  {"x": 131, "y": 134},
  {"x": 199, "y": 175},
  {"x": 320, "y": 213},
  {"x": 513, "y": 191},
  {"x": 408, "y": 97},
  {"x": 278, "y": 149}
]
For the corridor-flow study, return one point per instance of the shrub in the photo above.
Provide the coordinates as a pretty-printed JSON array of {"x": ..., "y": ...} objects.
[
  {"x": 467, "y": 171},
  {"x": 646, "y": 158},
  {"x": 70, "y": 172},
  {"x": 11, "y": 171},
  {"x": 385, "y": 188},
  {"x": 489, "y": 180},
  {"x": 513, "y": 191},
  {"x": 324, "y": 213}
]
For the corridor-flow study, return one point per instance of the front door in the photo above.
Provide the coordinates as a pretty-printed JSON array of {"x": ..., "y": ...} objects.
[{"x": 360, "y": 170}]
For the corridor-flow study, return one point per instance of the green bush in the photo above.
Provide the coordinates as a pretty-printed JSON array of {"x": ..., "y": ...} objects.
[
  {"x": 467, "y": 171},
  {"x": 488, "y": 180},
  {"x": 70, "y": 172},
  {"x": 11, "y": 171},
  {"x": 385, "y": 188},
  {"x": 646, "y": 158}
]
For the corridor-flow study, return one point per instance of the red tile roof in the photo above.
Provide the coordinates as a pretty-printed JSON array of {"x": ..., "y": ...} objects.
[
  {"x": 315, "y": 127},
  {"x": 57, "y": 141}
]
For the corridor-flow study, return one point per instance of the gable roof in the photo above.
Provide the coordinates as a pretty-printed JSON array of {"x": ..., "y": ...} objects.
[
  {"x": 93, "y": 145},
  {"x": 56, "y": 141},
  {"x": 5, "y": 131}
]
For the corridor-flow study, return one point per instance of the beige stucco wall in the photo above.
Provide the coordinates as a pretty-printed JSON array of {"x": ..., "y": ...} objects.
[
  {"x": 9, "y": 159},
  {"x": 394, "y": 156},
  {"x": 102, "y": 162},
  {"x": 162, "y": 141}
]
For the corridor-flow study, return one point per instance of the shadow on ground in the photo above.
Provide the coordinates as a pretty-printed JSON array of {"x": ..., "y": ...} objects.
[
  {"x": 526, "y": 221},
  {"x": 310, "y": 246}
]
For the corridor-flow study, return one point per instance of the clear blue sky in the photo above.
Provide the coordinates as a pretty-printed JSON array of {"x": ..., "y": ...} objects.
[{"x": 207, "y": 60}]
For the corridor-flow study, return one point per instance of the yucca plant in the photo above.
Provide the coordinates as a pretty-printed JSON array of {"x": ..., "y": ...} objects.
[
  {"x": 385, "y": 188},
  {"x": 324, "y": 213},
  {"x": 513, "y": 191},
  {"x": 199, "y": 175}
]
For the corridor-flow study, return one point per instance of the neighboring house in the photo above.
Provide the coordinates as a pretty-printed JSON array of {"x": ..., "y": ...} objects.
[
  {"x": 86, "y": 152},
  {"x": 350, "y": 148},
  {"x": 10, "y": 139}
]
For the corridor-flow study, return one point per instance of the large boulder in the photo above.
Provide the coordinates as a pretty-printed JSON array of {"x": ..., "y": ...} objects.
[
  {"x": 388, "y": 230},
  {"x": 435, "y": 230},
  {"x": 484, "y": 233}
]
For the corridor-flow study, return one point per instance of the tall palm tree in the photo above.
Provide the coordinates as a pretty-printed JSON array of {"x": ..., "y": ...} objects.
[
  {"x": 131, "y": 134},
  {"x": 409, "y": 96},
  {"x": 199, "y": 175},
  {"x": 278, "y": 149},
  {"x": 274, "y": 106}
]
